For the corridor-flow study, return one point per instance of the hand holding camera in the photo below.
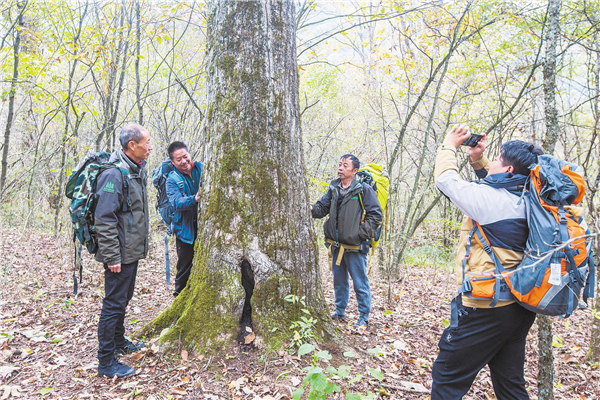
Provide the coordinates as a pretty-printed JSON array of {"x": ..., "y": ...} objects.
[{"x": 474, "y": 143}]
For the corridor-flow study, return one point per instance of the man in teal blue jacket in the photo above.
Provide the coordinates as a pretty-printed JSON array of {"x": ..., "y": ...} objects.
[{"x": 183, "y": 190}]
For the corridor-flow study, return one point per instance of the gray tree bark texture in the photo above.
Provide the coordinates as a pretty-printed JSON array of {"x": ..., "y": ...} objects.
[
  {"x": 550, "y": 111},
  {"x": 593, "y": 354},
  {"x": 545, "y": 378},
  {"x": 256, "y": 242},
  {"x": 11, "y": 98}
]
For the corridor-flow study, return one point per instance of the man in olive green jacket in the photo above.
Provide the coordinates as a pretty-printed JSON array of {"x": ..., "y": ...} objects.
[
  {"x": 354, "y": 214},
  {"x": 121, "y": 220}
]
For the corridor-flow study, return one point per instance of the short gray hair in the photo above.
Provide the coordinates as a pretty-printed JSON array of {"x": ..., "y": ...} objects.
[{"x": 131, "y": 132}]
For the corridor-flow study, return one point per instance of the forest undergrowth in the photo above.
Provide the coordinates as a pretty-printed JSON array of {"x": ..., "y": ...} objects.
[{"x": 48, "y": 338}]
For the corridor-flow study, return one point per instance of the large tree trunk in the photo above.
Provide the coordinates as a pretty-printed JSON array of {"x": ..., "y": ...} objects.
[
  {"x": 256, "y": 242},
  {"x": 545, "y": 378}
]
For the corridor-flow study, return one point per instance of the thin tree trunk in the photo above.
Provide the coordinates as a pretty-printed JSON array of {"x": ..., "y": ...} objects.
[
  {"x": 48, "y": 118},
  {"x": 138, "y": 37},
  {"x": 545, "y": 378},
  {"x": 107, "y": 126},
  {"x": 594, "y": 349},
  {"x": 551, "y": 113},
  {"x": 11, "y": 96},
  {"x": 65, "y": 136},
  {"x": 256, "y": 242},
  {"x": 113, "y": 119}
]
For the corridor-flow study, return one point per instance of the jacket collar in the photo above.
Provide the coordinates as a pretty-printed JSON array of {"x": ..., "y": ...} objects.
[
  {"x": 505, "y": 180},
  {"x": 354, "y": 185},
  {"x": 133, "y": 167}
]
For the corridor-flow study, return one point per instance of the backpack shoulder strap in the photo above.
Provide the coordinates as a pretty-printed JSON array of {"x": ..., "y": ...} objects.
[
  {"x": 127, "y": 199},
  {"x": 483, "y": 241},
  {"x": 178, "y": 179}
]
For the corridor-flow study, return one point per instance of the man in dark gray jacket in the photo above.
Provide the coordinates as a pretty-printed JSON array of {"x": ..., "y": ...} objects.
[
  {"x": 354, "y": 214},
  {"x": 121, "y": 220}
]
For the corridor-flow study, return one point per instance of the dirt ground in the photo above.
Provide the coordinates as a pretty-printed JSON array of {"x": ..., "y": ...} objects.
[{"x": 48, "y": 340}]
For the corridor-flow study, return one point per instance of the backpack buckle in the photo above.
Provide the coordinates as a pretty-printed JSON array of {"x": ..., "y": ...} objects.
[{"x": 486, "y": 247}]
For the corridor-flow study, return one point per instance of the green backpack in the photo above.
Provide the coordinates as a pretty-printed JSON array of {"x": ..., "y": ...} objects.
[{"x": 81, "y": 190}]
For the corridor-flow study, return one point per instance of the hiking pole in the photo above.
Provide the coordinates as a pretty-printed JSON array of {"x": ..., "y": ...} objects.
[
  {"x": 168, "y": 269},
  {"x": 75, "y": 264}
]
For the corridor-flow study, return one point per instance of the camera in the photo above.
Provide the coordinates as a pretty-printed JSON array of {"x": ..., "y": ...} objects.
[{"x": 473, "y": 140}]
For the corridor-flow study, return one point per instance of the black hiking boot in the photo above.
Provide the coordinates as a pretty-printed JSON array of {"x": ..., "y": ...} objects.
[{"x": 115, "y": 368}]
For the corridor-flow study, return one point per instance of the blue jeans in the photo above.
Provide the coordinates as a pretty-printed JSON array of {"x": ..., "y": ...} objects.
[
  {"x": 492, "y": 336},
  {"x": 355, "y": 264}
]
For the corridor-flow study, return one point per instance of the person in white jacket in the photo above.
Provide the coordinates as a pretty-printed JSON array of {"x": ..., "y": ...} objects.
[{"x": 485, "y": 335}]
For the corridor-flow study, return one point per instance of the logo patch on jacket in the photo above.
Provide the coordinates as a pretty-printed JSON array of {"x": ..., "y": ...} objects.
[{"x": 109, "y": 187}]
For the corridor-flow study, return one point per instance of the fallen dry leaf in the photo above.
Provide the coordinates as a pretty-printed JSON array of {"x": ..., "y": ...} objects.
[
  {"x": 250, "y": 338},
  {"x": 7, "y": 370},
  {"x": 237, "y": 384},
  {"x": 9, "y": 391}
]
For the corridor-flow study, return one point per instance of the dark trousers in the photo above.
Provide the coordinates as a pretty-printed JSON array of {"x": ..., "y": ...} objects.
[
  {"x": 118, "y": 290},
  {"x": 185, "y": 256},
  {"x": 492, "y": 336}
]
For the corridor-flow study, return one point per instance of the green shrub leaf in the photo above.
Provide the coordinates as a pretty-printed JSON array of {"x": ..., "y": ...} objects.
[{"x": 305, "y": 349}]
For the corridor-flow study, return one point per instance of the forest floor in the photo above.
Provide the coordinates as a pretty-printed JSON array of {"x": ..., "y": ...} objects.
[{"x": 48, "y": 339}]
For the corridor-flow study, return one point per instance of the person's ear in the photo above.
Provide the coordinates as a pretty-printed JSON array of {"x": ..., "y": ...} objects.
[{"x": 511, "y": 169}]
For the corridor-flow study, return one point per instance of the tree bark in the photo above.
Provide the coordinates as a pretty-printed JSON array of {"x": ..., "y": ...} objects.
[
  {"x": 545, "y": 378},
  {"x": 550, "y": 110},
  {"x": 256, "y": 242},
  {"x": 138, "y": 43},
  {"x": 65, "y": 135},
  {"x": 110, "y": 110},
  {"x": 593, "y": 354},
  {"x": 11, "y": 97}
]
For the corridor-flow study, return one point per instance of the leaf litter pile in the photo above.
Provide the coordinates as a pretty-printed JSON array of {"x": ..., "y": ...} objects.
[{"x": 48, "y": 339}]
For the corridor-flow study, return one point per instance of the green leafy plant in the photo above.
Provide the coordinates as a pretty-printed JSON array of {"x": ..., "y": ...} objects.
[
  {"x": 302, "y": 329},
  {"x": 319, "y": 382}
]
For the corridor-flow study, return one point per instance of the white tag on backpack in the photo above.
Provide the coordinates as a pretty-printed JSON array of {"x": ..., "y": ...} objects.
[{"x": 555, "y": 274}]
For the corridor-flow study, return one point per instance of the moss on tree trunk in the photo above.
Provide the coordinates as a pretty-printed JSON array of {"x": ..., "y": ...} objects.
[{"x": 254, "y": 212}]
